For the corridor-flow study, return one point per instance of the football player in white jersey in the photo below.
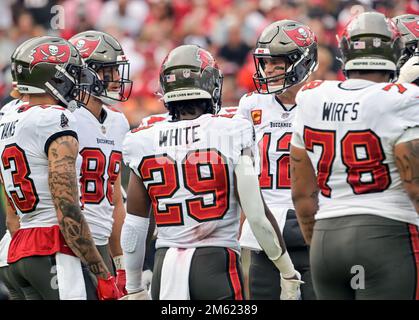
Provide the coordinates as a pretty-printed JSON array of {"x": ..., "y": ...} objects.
[
  {"x": 285, "y": 55},
  {"x": 355, "y": 169},
  {"x": 12, "y": 219},
  {"x": 189, "y": 170},
  {"x": 102, "y": 129},
  {"x": 228, "y": 112},
  {"x": 39, "y": 150}
]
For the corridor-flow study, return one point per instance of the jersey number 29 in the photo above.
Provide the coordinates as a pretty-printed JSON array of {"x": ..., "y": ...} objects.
[{"x": 215, "y": 185}]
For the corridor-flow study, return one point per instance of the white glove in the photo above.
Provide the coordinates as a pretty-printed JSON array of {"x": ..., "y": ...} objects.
[
  {"x": 290, "y": 289},
  {"x": 146, "y": 279},
  {"x": 142, "y": 295},
  {"x": 409, "y": 72}
]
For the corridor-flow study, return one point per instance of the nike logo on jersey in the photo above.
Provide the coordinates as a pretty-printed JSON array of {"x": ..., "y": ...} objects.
[
  {"x": 8, "y": 129},
  {"x": 333, "y": 111}
]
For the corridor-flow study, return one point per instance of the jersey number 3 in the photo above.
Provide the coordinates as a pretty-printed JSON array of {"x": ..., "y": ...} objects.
[{"x": 26, "y": 199}]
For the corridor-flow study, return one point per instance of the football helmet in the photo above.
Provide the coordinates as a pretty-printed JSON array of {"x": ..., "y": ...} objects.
[
  {"x": 295, "y": 44},
  {"x": 52, "y": 65},
  {"x": 408, "y": 25},
  {"x": 190, "y": 72},
  {"x": 104, "y": 54},
  {"x": 371, "y": 41}
]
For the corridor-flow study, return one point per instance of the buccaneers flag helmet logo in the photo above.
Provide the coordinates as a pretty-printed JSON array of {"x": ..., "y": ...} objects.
[
  {"x": 413, "y": 27},
  {"x": 85, "y": 46},
  {"x": 302, "y": 36},
  {"x": 206, "y": 60},
  {"x": 50, "y": 53}
]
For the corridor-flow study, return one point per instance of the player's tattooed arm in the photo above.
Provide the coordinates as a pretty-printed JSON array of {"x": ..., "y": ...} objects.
[
  {"x": 62, "y": 179},
  {"x": 304, "y": 191},
  {"x": 407, "y": 161}
]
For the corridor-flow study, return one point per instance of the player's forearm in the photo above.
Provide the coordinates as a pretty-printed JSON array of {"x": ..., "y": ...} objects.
[
  {"x": 306, "y": 204},
  {"x": 76, "y": 232},
  {"x": 63, "y": 185},
  {"x": 304, "y": 191},
  {"x": 305, "y": 209},
  {"x": 133, "y": 238},
  {"x": 115, "y": 239},
  {"x": 12, "y": 219}
]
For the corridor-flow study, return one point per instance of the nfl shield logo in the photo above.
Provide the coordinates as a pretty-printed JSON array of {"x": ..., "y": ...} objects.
[
  {"x": 376, "y": 42},
  {"x": 186, "y": 73},
  {"x": 285, "y": 115},
  {"x": 103, "y": 129}
]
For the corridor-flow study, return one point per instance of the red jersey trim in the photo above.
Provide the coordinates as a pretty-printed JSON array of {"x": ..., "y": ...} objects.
[{"x": 40, "y": 241}]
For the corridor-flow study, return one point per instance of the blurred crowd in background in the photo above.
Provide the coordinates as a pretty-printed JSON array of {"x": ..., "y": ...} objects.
[{"x": 149, "y": 29}]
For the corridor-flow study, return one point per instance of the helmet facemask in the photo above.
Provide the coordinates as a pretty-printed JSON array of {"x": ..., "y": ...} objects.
[
  {"x": 73, "y": 85},
  {"x": 115, "y": 79},
  {"x": 296, "y": 69},
  {"x": 408, "y": 52}
]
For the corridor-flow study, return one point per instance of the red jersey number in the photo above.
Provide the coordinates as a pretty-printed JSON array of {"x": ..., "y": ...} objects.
[
  {"x": 282, "y": 164},
  {"x": 361, "y": 153},
  {"x": 93, "y": 175},
  {"x": 27, "y": 199},
  {"x": 203, "y": 172}
]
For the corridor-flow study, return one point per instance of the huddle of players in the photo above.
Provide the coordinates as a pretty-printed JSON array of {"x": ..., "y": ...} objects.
[{"x": 194, "y": 170}]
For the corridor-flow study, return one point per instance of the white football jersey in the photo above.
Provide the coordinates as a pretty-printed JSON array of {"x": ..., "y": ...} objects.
[
  {"x": 25, "y": 136},
  {"x": 349, "y": 130},
  {"x": 187, "y": 167},
  {"x": 272, "y": 121},
  {"x": 101, "y": 151}
]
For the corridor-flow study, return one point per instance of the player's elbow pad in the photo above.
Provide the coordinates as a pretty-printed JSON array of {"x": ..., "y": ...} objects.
[{"x": 133, "y": 238}]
